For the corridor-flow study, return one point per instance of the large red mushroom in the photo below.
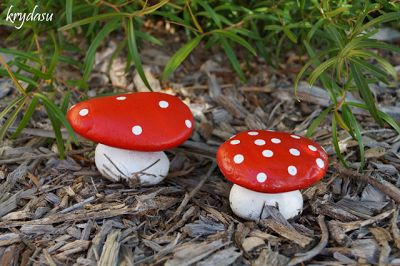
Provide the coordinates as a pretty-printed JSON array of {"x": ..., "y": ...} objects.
[
  {"x": 133, "y": 130},
  {"x": 269, "y": 168}
]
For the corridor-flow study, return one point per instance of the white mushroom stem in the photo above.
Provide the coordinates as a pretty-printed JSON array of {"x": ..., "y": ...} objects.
[
  {"x": 250, "y": 204},
  {"x": 136, "y": 167}
]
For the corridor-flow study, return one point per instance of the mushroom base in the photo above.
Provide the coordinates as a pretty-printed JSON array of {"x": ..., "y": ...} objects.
[
  {"x": 249, "y": 204},
  {"x": 137, "y": 168}
]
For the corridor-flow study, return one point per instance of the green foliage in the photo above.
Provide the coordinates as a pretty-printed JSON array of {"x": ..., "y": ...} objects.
[{"x": 334, "y": 34}]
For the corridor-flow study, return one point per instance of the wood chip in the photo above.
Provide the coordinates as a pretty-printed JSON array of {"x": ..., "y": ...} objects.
[{"x": 286, "y": 232}]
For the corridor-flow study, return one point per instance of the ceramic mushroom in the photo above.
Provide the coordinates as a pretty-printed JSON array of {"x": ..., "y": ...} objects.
[
  {"x": 269, "y": 168},
  {"x": 133, "y": 130}
]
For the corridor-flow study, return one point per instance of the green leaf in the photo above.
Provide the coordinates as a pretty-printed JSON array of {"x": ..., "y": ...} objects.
[
  {"x": 314, "y": 28},
  {"x": 27, "y": 116},
  {"x": 273, "y": 27},
  {"x": 13, "y": 115},
  {"x": 357, "y": 133},
  {"x": 91, "y": 52},
  {"x": 58, "y": 114},
  {"x": 315, "y": 123},
  {"x": 232, "y": 57},
  {"x": 336, "y": 12},
  {"x": 94, "y": 18},
  {"x": 134, "y": 52},
  {"x": 365, "y": 92},
  {"x": 387, "y": 118},
  {"x": 321, "y": 69},
  {"x": 149, "y": 9},
  {"x": 179, "y": 56},
  {"x": 57, "y": 132},
  {"x": 148, "y": 37},
  {"x": 11, "y": 105},
  {"x": 68, "y": 10},
  {"x": 335, "y": 142},
  {"x": 11, "y": 74},
  {"x": 371, "y": 68},
  {"x": 387, "y": 17},
  {"x": 55, "y": 57},
  {"x": 289, "y": 34},
  {"x": 237, "y": 39},
  {"x": 336, "y": 35},
  {"x": 384, "y": 63},
  {"x": 22, "y": 54},
  {"x": 369, "y": 43},
  {"x": 210, "y": 11},
  {"x": 327, "y": 82},
  {"x": 29, "y": 69},
  {"x": 65, "y": 102}
]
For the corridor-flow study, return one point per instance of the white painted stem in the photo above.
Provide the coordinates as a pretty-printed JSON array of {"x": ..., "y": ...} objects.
[
  {"x": 249, "y": 204},
  {"x": 136, "y": 167}
]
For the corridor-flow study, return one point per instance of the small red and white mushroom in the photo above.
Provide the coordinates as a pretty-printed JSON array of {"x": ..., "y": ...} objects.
[
  {"x": 133, "y": 130},
  {"x": 269, "y": 168}
]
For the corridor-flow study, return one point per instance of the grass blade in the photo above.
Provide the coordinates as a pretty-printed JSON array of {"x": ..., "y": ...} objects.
[
  {"x": 57, "y": 132},
  {"x": 11, "y": 74},
  {"x": 381, "y": 19},
  {"x": 94, "y": 18},
  {"x": 134, "y": 52},
  {"x": 22, "y": 54},
  {"x": 321, "y": 69},
  {"x": 27, "y": 116},
  {"x": 179, "y": 56},
  {"x": 356, "y": 132},
  {"x": 365, "y": 92},
  {"x": 387, "y": 118},
  {"x": 237, "y": 39},
  {"x": 68, "y": 11},
  {"x": 58, "y": 114},
  {"x": 315, "y": 123},
  {"x": 335, "y": 142},
  {"x": 232, "y": 57},
  {"x": 91, "y": 52},
  {"x": 11, "y": 105},
  {"x": 10, "y": 120}
]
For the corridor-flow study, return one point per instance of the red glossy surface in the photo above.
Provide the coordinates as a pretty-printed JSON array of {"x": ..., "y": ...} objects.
[
  {"x": 272, "y": 162},
  {"x": 144, "y": 121}
]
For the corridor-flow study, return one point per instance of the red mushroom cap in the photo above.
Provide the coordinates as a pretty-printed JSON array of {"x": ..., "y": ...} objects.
[
  {"x": 272, "y": 162},
  {"x": 144, "y": 121}
]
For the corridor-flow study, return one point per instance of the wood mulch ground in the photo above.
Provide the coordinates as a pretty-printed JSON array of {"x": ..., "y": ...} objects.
[{"x": 62, "y": 212}]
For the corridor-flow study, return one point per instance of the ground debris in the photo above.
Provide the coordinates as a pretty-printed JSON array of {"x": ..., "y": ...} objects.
[{"x": 62, "y": 212}]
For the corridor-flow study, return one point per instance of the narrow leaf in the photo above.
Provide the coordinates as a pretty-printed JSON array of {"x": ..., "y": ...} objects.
[
  {"x": 365, "y": 92},
  {"x": 232, "y": 57},
  {"x": 134, "y": 52},
  {"x": 179, "y": 56}
]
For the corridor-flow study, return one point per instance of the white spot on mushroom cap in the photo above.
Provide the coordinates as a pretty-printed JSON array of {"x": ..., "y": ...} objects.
[
  {"x": 259, "y": 142},
  {"x": 275, "y": 140},
  {"x": 137, "y": 130},
  {"x": 320, "y": 163},
  {"x": 188, "y": 123},
  {"x": 311, "y": 147},
  {"x": 295, "y": 136},
  {"x": 84, "y": 112},
  {"x": 238, "y": 158},
  {"x": 252, "y": 133},
  {"x": 121, "y": 98},
  {"x": 267, "y": 153},
  {"x": 261, "y": 177},
  {"x": 294, "y": 152},
  {"x": 163, "y": 104},
  {"x": 292, "y": 170},
  {"x": 235, "y": 142}
]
